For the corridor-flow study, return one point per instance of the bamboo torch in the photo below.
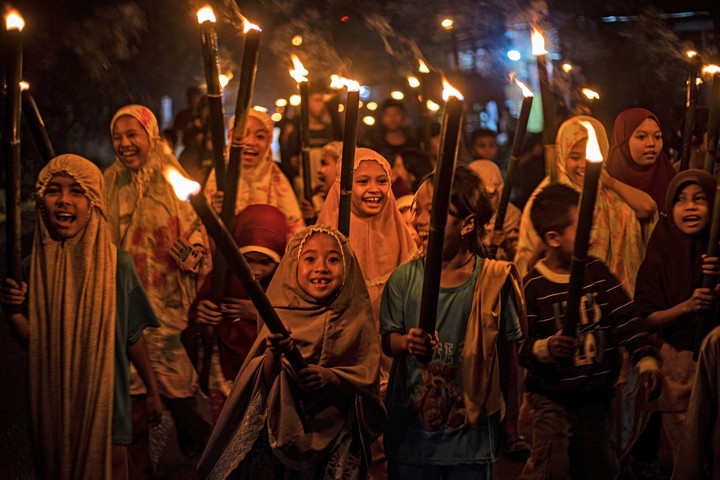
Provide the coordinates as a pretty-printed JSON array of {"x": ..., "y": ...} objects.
[
  {"x": 189, "y": 190},
  {"x": 36, "y": 124},
  {"x": 206, "y": 18},
  {"x": 548, "y": 104},
  {"x": 352, "y": 106},
  {"x": 299, "y": 73},
  {"x": 514, "y": 156},
  {"x": 14, "y": 24},
  {"x": 713, "y": 119},
  {"x": 690, "y": 106},
  {"x": 707, "y": 320},
  {"x": 593, "y": 169},
  {"x": 442, "y": 188}
]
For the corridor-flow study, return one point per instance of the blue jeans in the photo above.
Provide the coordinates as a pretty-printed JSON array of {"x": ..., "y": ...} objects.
[{"x": 478, "y": 471}]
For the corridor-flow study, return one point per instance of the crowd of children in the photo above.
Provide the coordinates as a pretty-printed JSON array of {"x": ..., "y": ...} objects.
[{"x": 122, "y": 323}]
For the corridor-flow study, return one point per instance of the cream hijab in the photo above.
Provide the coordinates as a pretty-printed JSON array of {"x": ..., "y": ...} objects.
[{"x": 72, "y": 313}]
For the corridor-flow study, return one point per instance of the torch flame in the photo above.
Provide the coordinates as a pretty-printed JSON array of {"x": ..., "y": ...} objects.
[
  {"x": 184, "y": 187},
  {"x": 691, "y": 53},
  {"x": 14, "y": 21},
  {"x": 337, "y": 82},
  {"x": 298, "y": 72},
  {"x": 422, "y": 67},
  {"x": 247, "y": 26},
  {"x": 450, "y": 91},
  {"x": 710, "y": 70},
  {"x": 447, "y": 24},
  {"x": 225, "y": 79},
  {"x": 432, "y": 106},
  {"x": 413, "y": 81},
  {"x": 592, "y": 150},
  {"x": 567, "y": 67},
  {"x": 590, "y": 94},
  {"x": 538, "y": 42},
  {"x": 525, "y": 90},
  {"x": 206, "y": 14},
  {"x": 24, "y": 86}
]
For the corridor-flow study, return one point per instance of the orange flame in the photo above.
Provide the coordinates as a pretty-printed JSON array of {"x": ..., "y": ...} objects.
[
  {"x": 450, "y": 91},
  {"x": 590, "y": 94},
  {"x": 24, "y": 86},
  {"x": 538, "y": 42},
  {"x": 432, "y": 106},
  {"x": 184, "y": 187},
  {"x": 413, "y": 81},
  {"x": 298, "y": 72},
  {"x": 247, "y": 26},
  {"x": 206, "y": 14},
  {"x": 525, "y": 90},
  {"x": 691, "y": 53},
  {"x": 14, "y": 21},
  {"x": 710, "y": 70},
  {"x": 337, "y": 82},
  {"x": 592, "y": 150},
  {"x": 422, "y": 67}
]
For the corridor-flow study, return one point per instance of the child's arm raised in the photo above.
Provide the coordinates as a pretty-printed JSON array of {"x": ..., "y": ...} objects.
[
  {"x": 642, "y": 203},
  {"x": 138, "y": 355},
  {"x": 13, "y": 295}
]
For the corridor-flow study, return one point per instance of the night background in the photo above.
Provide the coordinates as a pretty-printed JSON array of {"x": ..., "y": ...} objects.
[{"x": 86, "y": 58}]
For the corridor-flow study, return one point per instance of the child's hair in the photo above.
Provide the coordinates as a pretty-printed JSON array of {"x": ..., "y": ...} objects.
[
  {"x": 418, "y": 164},
  {"x": 470, "y": 198},
  {"x": 482, "y": 132},
  {"x": 391, "y": 102},
  {"x": 551, "y": 210}
]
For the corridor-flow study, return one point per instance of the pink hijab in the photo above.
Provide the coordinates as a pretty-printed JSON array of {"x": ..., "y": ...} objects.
[{"x": 653, "y": 180}]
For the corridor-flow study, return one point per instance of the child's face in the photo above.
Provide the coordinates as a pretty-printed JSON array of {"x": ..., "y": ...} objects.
[
  {"x": 575, "y": 163},
  {"x": 320, "y": 270},
  {"x": 257, "y": 142},
  {"x": 316, "y": 104},
  {"x": 393, "y": 118},
  {"x": 691, "y": 210},
  {"x": 131, "y": 142},
  {"x": 455, "y": 227},
  {"x": 262, "y": 266},
  {"x": 563, "y": 243},
  {"x": 371, "y": 187},
  {"x": 65, "y": 206},
  {"x": 327, "y": 171},
  {"x": 484, "y": 148},
  {"x": 646, "y": 143}
]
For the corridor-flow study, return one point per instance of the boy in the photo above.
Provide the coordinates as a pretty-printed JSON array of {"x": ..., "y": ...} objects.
[
  {"x": 393, "y": 136},
  {"x": 570, "y": 378},
  {"x": 483, "y": 144}
]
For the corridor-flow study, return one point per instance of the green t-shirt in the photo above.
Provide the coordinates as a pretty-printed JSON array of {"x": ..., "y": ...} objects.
[{"x": 426, "y": 424}]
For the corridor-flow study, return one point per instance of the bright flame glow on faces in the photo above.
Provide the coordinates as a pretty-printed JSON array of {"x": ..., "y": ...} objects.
[
  {"x": 206, "y": 14},
  {"x": 397, "y": 95},
  {"x": 281, "y": 102},
  {"x": 538, "y": 42},
  {"x": 296, "y": 40},
  {"x": 525, "y": 90},
  {"x": 450, "y": 91},
  {"x": 368, "y": 120},
  {"x": 422, "y": 67},
  {"x": 184, "y": 187},
  {"x": 225, "y": 79},
  {"x": 567, "y": 68},
  {"x": 24, "y": 86},
  {"x": 447, "y": 24},
  {"x": 432, "y": 106},
  {"x": 298, "y": 72},
  {"x": 592, "y": 151},
  {"x": 590, "y": 94},
  {"x": 337, "y": 82},
  {"x": 413, "y": 82},
  {"x": 14, "y": 21},
  {"x": 372, "y": 106},
  {"x": 710, "y": 70},
  {"x": 294, "y": 100},
  {"x": 276, "y": 117}
]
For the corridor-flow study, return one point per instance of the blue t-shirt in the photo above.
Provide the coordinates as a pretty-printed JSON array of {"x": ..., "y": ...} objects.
[{"x": 426, "y": 411}]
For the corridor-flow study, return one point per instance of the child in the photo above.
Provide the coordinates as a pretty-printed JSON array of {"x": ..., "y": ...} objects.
[
  {"x": 261, "y": 235},
  {"x": 318, "y": 422},
  {"x": 329, "y": 156},
  {"x": 570, "y": 379},
  {"x": 409, "y": 169},
  {"x": 668, "y": 289},
  {"x": 393, "y": 136},
  {"x": 483, "y": 144},
  {"x": 444, "y": 416},
  {"x": 84, "y": 322}
]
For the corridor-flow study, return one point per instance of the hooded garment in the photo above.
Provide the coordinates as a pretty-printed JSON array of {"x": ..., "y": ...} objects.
[
  {"x": 654, "y": 179},
  {"x": 264, "y": 183},
  {"x": 72, "y": 334},
  {"x": 673, "y": 266},
  {"x": 338, "y": 334},
  {"x": 617, "y": 238},
  {"x": 146, "y": 218}
]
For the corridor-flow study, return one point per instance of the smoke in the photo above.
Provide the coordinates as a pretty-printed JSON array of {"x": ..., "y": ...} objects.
[{"x": 404, "y": 49}]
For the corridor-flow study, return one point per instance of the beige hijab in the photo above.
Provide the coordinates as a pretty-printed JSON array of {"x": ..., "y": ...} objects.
[{"x": 72, "y": 316}]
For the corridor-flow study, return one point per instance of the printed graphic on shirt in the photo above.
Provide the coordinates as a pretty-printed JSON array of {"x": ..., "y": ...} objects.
[
  {"x": 591, "y": 339},
  {"x": 438, "y": 402}
]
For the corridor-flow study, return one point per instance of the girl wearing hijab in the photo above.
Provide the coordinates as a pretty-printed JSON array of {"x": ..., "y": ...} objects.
[
  {"x": 636, "y": 156},
  {"x": 492, "y": 180},
  {"x": 668, "y": 289},
  {"x": 623, "y": 219},
  {"x": 261, "y": 180},
  {"x": 148, "y": 221},
  {"x": 261, "y": 235},
  {"x": 84, "y": 322},
  {"x": 320, "y": 421}
]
